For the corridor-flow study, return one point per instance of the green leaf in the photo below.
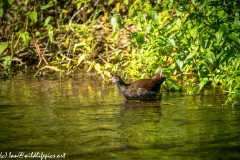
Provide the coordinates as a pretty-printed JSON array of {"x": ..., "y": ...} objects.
[
  {"x": 115, "y": 35},
  {"x": 108, "y": 65},
  {"x": 50, "y": 31},
  {"x": 1, "y": 12},
  {"x": 46, "y": 6},
  {"x": 203, "y": 69},
  {"x": 47, "y": 20},
  {"x": 154, "y": 16},
  {"x": 55, "y": 68},
  {"x": 207, "y": 42},
  {"x": 203, "y": 5},
  {"x": 6, "y": 58},
  {"x": 211, "y": 57},
  {"x": 180, "y": 64},
  {"x": 140, "y": 38},
  {"x": 190, "y": 56},
  {"x": 64, "y": 11},
  {"x": 124, "y": 75},
  {"x": 126, "y": 2},
  {"x": 50, "y": 35},
  {"x": 115, "y": 22},
  {"x": 91, "y": 66},
  {"x": 10, "y": 2},
  {"x": 126, "y": 63},
  {"x": 6, "y": 61},
  {"x": 97, "y": 67},
  {"x": 171, "y": 42},
  {"x": 202, "y": 83},
  {"x": 96, "y": 14},
  {"x": 236, "y": 24},
  {"x": 33, "y": 16},
  {"x": 25, "y": 37},
  {"x": 81, "y": 58},
  {"x": 110, "y": 2},
  {"x": 81, "y": 44},
  {"x": 235, "y": 37},
  {"x": 26, "y": 2},
  {"x": 224, "y": 29},
  {"x": 149, "y": 28},
  {"x": 176, "y": 88},
  {"x": 219, "y": 36},
  {"x": 38, "y": 34},
  {"x": 178, "y": 22},
  {"x": 3, "y": 46},
  {"x": 107, "y": 73}
]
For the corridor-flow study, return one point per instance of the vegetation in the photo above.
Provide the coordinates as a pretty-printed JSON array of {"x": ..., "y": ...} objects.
[{"x": 196, "y": 41}]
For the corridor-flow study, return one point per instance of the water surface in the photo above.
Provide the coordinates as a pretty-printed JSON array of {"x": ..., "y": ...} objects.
[{"x": 84, "y": 118}]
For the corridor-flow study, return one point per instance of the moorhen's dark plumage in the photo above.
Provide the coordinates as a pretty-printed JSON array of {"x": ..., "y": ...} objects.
[{"x": 143, "y": 89}]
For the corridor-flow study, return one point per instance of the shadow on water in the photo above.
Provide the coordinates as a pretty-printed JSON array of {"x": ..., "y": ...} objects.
[{"x": 86, "y": 119}]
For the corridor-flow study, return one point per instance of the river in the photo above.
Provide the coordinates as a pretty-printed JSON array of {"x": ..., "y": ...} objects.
[{"x": 83, "y": 118}]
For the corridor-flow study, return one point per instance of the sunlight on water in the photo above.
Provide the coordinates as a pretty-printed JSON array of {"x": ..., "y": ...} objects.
[{"x": 86, "y": 119}]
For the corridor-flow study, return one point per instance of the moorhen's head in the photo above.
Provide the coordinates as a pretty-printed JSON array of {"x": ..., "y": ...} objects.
[{"x": 117, "y": 80}]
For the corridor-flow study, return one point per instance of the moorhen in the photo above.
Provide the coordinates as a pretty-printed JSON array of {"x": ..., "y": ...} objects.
[{"x": 144, "y": 89}]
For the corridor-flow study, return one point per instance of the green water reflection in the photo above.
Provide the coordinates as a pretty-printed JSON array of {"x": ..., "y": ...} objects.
[{"x": 86, "y": 119}]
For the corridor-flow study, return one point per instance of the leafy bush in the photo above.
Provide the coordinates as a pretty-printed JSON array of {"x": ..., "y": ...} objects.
[{"x": 195, "y": 41}]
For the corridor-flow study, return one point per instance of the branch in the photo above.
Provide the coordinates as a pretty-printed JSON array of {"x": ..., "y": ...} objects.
[{"x": 39, "y": 52}]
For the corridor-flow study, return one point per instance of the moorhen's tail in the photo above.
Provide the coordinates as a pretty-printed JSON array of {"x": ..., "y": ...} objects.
[
  {"x": 159, "y": 78},
  {"x": 158, "y": 75}
]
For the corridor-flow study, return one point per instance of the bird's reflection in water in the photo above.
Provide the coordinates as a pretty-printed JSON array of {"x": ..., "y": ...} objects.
[
  {"x": 139, "y": 118},
  {"x": 137, "y": 106}
]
